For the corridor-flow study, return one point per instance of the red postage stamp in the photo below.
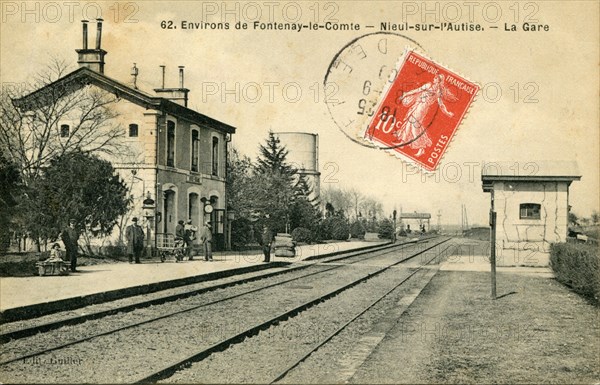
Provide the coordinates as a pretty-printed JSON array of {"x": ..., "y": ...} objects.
[{"x": 421, "y": 111}]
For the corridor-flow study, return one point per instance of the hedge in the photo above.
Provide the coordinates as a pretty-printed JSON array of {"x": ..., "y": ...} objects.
[
  {"x": 334, "y": 228},
  {"x": 385, "y": 229},
  {"x": 357, "y": 230},
  {"x": 577, "y": 266},
  {"x": 302, "y": 234}
]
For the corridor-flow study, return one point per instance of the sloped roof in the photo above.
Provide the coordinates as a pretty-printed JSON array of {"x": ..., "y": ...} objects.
[
  {"x": 415, "y": 216},
  {"x": 84, "y": 76}
]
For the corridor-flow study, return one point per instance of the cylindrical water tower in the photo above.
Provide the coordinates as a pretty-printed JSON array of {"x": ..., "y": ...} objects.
[{"x": 303, "y": 154}]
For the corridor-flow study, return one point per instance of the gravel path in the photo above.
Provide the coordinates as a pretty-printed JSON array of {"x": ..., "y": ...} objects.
[{"x": 538, "y": 332}]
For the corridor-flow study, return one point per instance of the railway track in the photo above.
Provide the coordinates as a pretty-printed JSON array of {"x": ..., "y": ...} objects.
[
  {"x": 282, "y": 321},
  {"x": 340, "y": 329},
  {"x": 16, "y": 330},
  {"x": 305, "y": 273}
]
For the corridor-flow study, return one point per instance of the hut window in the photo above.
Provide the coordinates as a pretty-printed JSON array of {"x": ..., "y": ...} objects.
[{"x": 529, "y": 211}]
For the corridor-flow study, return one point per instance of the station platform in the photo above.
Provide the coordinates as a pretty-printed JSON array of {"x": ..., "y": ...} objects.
[{"x": 99, "y": 283}]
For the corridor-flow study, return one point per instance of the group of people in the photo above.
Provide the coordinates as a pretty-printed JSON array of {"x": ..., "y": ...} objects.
[
  {"x": 69, "y": 237},
  {"x": 187, "y": 234},
  {"x": 134, "y": 234}
]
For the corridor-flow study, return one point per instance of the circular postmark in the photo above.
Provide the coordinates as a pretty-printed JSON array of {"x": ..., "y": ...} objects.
[
  {"x": 357, "y": 79},
  {"x": 383, "y": 94}
]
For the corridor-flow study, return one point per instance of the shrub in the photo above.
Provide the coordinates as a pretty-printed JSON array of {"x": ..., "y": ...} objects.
[
  {"x": 302, "y": 234},
  {"x": 386, "y": 229},
  {"x": 576, "y": 265},
  {"x": 334, "y": 228},
  {"x": 357, "y": 230},
  {"x": 23, "y": 268},
  {"x": 114, "y": 251}
]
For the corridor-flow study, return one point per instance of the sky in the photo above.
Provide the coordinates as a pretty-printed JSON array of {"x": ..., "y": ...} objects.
[{"x": 538, "y": 99}]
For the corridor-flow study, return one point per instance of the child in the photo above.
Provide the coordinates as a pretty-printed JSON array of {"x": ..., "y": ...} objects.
[{"x": 55, "y": 253}]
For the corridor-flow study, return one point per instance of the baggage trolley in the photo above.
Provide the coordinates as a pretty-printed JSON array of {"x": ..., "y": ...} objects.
[{"x": 170, "y": 246}]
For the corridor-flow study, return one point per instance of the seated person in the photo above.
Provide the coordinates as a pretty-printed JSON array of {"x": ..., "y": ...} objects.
[{"x": 55, "y": 254}]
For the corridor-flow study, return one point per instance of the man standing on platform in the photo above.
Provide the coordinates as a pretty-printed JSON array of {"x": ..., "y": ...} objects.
[
  {"x": 206, "y": 239},
  {"x": 266, "y": 239},
  {"x": 189, "y": 237},
  {"x": 135, "y": 240},
  {"x": 69, "y": 237}
]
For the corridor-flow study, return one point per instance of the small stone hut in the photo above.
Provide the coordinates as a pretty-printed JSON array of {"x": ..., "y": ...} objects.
[{"x": 531, "y": 201}]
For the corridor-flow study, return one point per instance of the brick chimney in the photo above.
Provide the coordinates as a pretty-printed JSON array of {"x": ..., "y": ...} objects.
[
  {"x": 92, "y": 58},
  {"x": 177, "y": 95}
]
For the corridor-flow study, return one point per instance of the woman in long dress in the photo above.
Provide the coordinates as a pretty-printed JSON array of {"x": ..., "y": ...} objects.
[{"x": 413, "y": 131}]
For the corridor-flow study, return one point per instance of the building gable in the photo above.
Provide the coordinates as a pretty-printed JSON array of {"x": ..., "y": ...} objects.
[{"x": 84, "y": 76}]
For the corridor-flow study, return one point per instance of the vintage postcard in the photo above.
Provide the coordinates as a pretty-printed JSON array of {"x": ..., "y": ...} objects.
[{"x": 299, "y": 191}]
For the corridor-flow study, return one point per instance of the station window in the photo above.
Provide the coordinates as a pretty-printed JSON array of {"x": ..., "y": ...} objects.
[
  {"x": 195, "y": 150},
  {"x": 171, "y": 144},
  {"x": 529, "y": 211},
  {"x": 133, "y": 130},
  {"x": 215, "y": 156},
  {"x": 64, "y": 130}
]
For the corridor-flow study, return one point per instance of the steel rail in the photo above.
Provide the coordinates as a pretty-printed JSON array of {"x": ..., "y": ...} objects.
[
  {"x": 74, "y": 320},
  {"x": 195, "y": 307},
  {"x": 345, "y": 325},
  {"x": 169, "y": 369}
]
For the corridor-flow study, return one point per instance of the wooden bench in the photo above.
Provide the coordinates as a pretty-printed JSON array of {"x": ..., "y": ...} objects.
[{"x": 52, "y": 268}]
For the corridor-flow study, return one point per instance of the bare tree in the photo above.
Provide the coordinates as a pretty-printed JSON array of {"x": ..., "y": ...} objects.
[
  {"x": 352, "y": 202},
  {"x": 338, "y": 198},
  {"x": 371, "y": 207},
  {"x": 357, "y": 198},
  {"x": 30, "y": 128},
  {"x": 53, "y": 115}
]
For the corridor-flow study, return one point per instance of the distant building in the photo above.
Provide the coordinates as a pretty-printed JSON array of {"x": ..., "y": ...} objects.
[
  {"x": 303, "y": 154},
  {"x": 414, "y": 221},
  {"x": 180, "y": 154},
  {"x": 532, "y": 209}
]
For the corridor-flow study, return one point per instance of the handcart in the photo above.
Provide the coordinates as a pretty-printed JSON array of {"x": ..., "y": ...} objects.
[{"x": 170, "y": 246}]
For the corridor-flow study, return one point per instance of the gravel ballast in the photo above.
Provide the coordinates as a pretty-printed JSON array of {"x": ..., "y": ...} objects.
[{"x": 128, "y": 354}]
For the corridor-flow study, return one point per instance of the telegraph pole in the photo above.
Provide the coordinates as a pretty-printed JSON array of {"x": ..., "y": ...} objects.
[
  {"x": 493, "y": 245},
  {"x": 394, "y": 236}
]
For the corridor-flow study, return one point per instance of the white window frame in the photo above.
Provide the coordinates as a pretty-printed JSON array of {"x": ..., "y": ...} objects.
[{"x": 529, "y": 209}]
